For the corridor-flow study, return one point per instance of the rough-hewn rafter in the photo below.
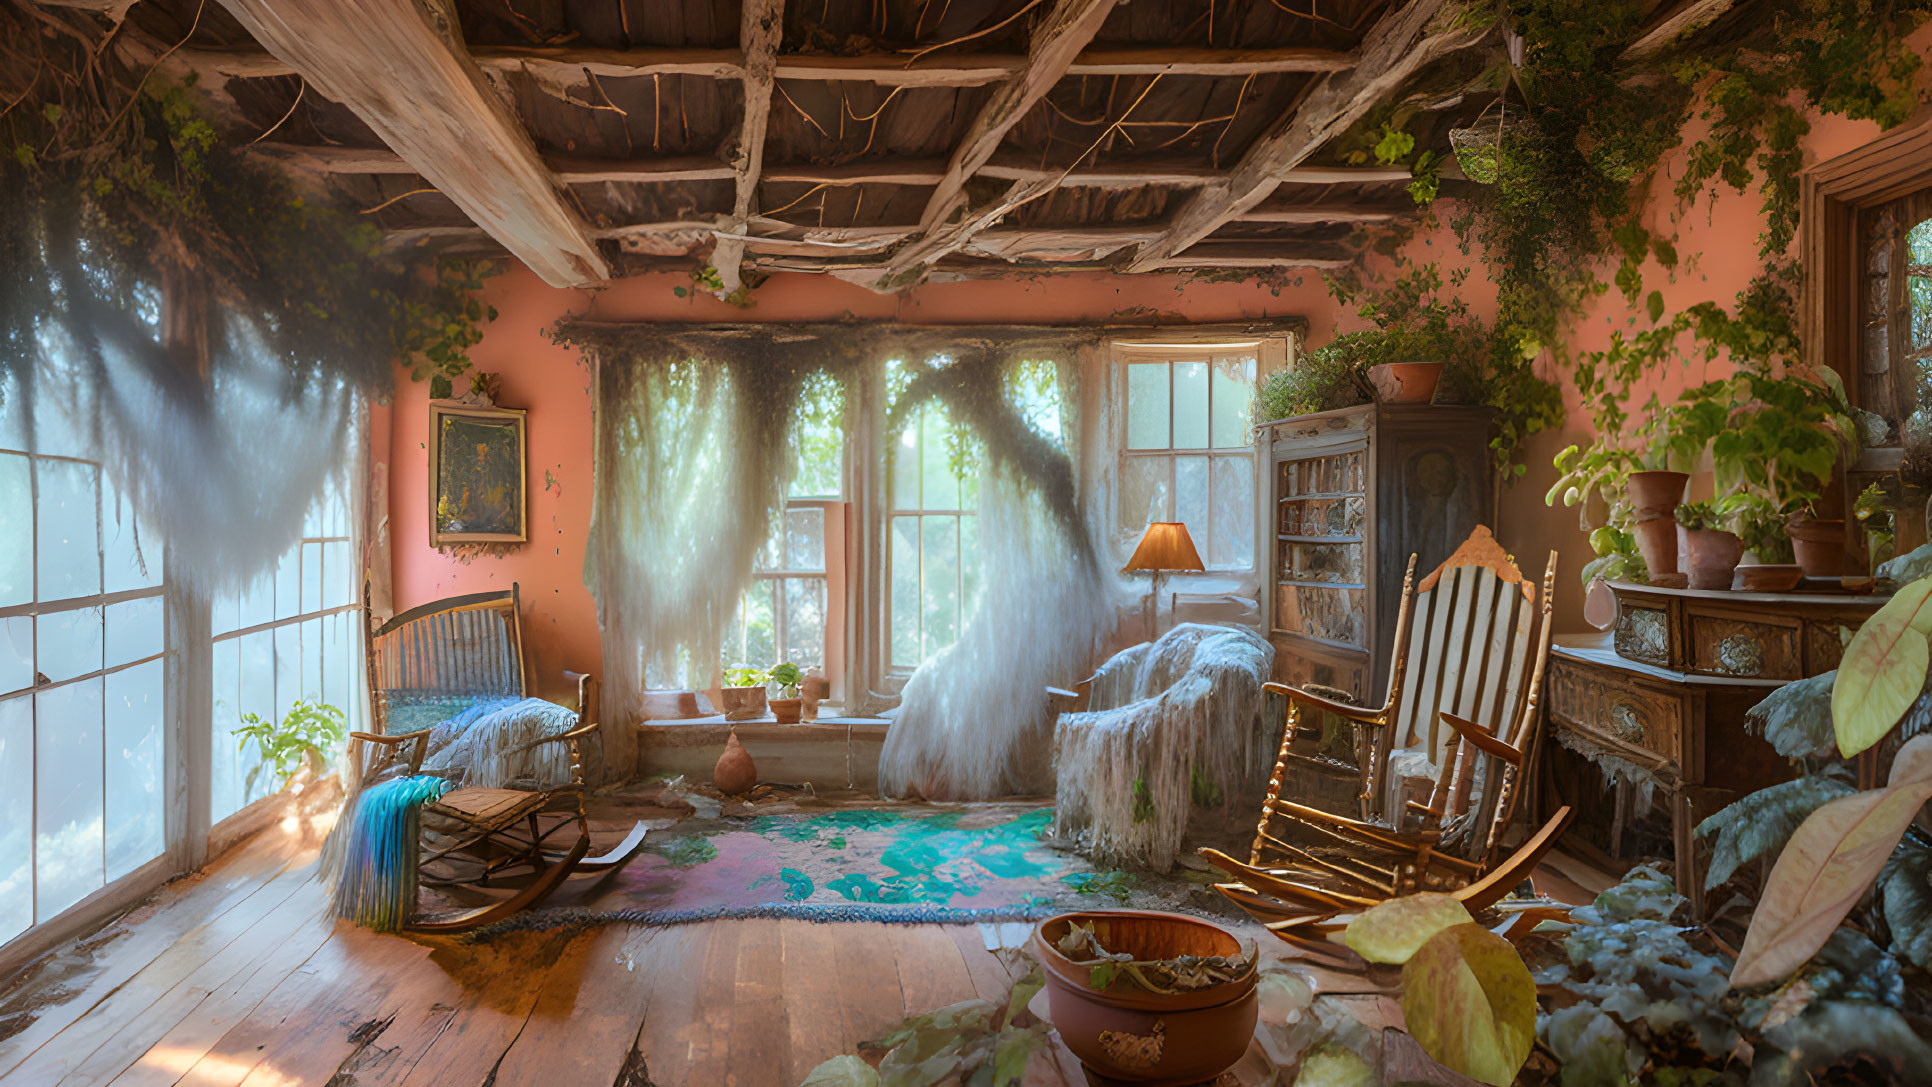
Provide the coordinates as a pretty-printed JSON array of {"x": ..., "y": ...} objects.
[
  {"x": 403, "y": 72},
  {"x": 1401, "y": 42},
  {"x": 1057, "y": 39},
  {"x": 761, "y": 26},
  {"x": 1687, "y": 17},
  {"x": 573, "y": 66}
]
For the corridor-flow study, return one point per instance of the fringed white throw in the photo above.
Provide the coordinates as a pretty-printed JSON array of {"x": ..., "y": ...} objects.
[
  {"x": 1169, "y": 722},
  {"x": 493, "y": 744}
]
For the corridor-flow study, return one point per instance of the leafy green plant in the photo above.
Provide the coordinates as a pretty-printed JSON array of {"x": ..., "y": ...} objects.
[
  {"x": 1617, "y": 556},
  {"x": 1873, "y": 512},
  {"x": 745, "y": 677},
  {"x": 1702, "y": 515},
  {"x": 788, "y": 677},
  {"x": 977, "y": 1042},
  {"x": 304, "y": 736}
]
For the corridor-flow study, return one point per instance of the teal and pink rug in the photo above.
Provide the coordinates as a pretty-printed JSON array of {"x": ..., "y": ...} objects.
[{"x": 953, "y": 865}]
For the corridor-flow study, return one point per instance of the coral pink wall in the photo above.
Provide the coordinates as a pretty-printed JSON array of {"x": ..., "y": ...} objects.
[
  {"x": 1716, "y": 237},
  {"x": 553, "y": 384}
]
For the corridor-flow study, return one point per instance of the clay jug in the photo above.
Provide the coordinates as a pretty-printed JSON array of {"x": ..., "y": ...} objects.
[{"x": 735, "y": 772}]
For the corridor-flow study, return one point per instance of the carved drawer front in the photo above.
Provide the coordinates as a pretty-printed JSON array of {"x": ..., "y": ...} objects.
[
  {"x": 1610, "y": 708},
  {"x": 1643, "y": 634},
  {"x": 1736, "y": 647}
]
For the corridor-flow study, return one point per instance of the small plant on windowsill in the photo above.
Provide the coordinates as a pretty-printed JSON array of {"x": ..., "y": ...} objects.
[
  {"x": 787, "y": 708},
  {"x": 744, "y": 693},
  {"x": 302, "y": 740}
]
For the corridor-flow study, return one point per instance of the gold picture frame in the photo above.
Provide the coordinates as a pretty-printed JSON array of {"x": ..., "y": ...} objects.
[{"x": 475, "y": 494}]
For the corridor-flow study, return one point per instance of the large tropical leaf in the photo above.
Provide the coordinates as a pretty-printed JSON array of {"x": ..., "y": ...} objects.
[
  {"x": 1391, "y": 931},
  {"x": 1828, "y": 865},
  {"x": 1471, "y": 1002},
  {"x": 1795, "y": 719},
  {"x": 1762, "y": 822},
  {"x": 1883, "y": 669},
  {"x": 1907, "y": 895}
]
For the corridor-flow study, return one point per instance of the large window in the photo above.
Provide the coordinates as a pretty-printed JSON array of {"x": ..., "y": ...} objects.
[
  {"x": 1186, "y": 454},
  {"x": 934, "y": 536},
  {"x": 81, "y": 686},
  {"x": 1895, "y": 320},
  {"x": 291, "y": 635}
]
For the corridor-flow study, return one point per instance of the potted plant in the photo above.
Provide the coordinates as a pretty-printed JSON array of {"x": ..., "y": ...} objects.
[
  {"x": 743, "y": 694},
  {"x": 1144, "y": 997},
  {"x": 787, "y": 707},
  {"x": 1711, "y": 553},
  {"x": 1781, "y": 443},
  {"x": 296, "y": 746},
  {"x": 1761, "y": 525}
]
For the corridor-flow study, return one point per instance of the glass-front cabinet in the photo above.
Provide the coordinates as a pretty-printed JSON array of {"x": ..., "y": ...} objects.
[{"x": 1355, "y": 492}]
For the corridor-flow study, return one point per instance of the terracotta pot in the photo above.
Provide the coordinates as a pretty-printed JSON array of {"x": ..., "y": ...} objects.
[
  {"x": 1657, "y": 543},
  {"x": 1405, "y": 382},
  {"x": 1781, "y": 577},
  {"x": 1710, "y": 556},
  {"x": 744, "y": 703},
  {"x": 787, "y": 710},
  {"x": 1819, "y": 546},
  {"x": 1135, "y": 1036},
  {"x": 1654, "y": 494},
  {"x": 735, "y": 772}
]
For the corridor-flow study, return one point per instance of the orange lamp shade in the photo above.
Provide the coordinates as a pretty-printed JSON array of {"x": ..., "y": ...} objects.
[{"x": 1165, "y": 546}]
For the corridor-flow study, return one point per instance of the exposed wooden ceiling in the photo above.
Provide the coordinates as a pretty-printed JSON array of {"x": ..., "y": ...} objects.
[{"x": 883, "y": 141}]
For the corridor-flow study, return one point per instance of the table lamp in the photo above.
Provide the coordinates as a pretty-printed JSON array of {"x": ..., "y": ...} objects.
[{"x": 1163, "y": 547}]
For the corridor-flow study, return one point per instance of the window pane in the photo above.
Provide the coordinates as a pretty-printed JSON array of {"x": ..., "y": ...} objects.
[
  {"x": 16, "y": 542},
  {"x": 288, "y": 668},
  {"x": 905, "y": 469},
  {"x": 1190, "y": 405},
  {"x": 68, "y": 529},
  {"x": 134, "y": 825},
  {"x": 1143, "y": 493},
  {"x": 16, "y": 654},
  {"x": 1147, "y": 405},
  {"x": 805, "y": 622},
  {"x": 133, "y": 630},
  {"x": 132, "y": 556},
  {"x": 70, "y": 643},
  {"x": 820, "y": 440},
  {"x": 16, "y": 816},
  {"x": 257, "y": 604},
  {"x": 905, "y": 591},
  {"x": 755, "y": 630},
  {"x": 68, "y": 853},
  {"x": 939, "y": 559},
  {"x": 288, "y": 583},
  {"x": 968, "y": 568},
  {"x": 1233, "y": 538},
  {"x": 256, "y": 680},
  {"x": 225, "y": 781},
  {"x": 337, "y": 661},
  {"x": 939, "y": 486},
  {"x": 311, "y": 688},
  {"x": 1233, "y": 393},
  {"x": 311, "y": 577},
  {"x": 338, "y": 576},
  {"x": 1191, "y": 498},
  {"x": 805, "y": 539}
]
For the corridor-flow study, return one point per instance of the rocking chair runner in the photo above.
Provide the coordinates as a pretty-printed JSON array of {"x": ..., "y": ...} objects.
[
  {"x": 483, "y": 834},
  {"x": 1458, "y": 843}
]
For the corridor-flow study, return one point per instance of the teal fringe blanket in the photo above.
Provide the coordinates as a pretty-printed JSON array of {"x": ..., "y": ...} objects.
[{"x": 376, "y": 887}]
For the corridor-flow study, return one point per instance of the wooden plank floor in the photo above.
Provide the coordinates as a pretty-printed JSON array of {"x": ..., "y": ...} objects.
[{"x": 235, "y": 976}]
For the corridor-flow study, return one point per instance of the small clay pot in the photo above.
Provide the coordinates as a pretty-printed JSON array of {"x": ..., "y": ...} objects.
[
  {"x": 1781, "y": 577},
  {"x": 1819, "y": 546},
  {"x": 1710, "y": 556},
  {"x": 1405, "y": 382},
  {"x": 1135, "y": 1036},
  {"x": 786, "y": 711},
  {"x": 735, "y": 772},
  {"x": 1654, "y": 494},
  {"x": 744, "y": 703},
  {"x": 1657, "y": 543}
]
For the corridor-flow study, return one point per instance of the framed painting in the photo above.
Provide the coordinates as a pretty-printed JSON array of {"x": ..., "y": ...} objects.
[{"x": 477, "y": 468}]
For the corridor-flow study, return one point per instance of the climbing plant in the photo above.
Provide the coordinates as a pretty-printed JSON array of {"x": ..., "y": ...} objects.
[{"x": 116, "y": 183}]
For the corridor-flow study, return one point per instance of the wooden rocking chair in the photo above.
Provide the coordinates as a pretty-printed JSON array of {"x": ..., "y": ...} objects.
[
  {"x": 477, "y": 835},
  {"x": 1479, "y": 650}
]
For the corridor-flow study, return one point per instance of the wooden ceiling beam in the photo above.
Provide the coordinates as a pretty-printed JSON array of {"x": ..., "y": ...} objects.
[
  {"x": 402, "y": 69},
  {"x": 1686, "y": 18},
  {"x": 761, "y": 26},
  {"x": 569, "y": 66},
  {"x": 1055, "y": 42},
  {"x": 1318, "y": 213},
  {"x": 1400, "y": 43},
  {"x": 1232, "y": 254}
]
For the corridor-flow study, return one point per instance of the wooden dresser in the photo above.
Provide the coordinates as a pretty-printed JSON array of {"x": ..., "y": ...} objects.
[{"x": 1658, "y": 702}]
